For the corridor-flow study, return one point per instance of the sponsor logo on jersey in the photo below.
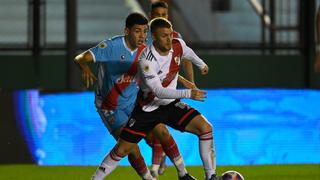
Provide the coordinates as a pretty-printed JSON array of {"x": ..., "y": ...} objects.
[
  {"x": 149, "y": 77},
  {"x": 102, "y": 45},
  {"x": 125, "y": 79},
  {"x": 131, "y": 122}
]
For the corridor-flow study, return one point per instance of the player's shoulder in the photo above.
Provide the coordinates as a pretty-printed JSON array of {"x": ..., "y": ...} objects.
[
  {"x": 147, "y": 55},
  {"x": 113, "y": 44},
  {"x": 109, "y": 43},
  {"x": 116, "y": 40},
  {"x": 178, "y": 41},
  {"x": 176, "y": 34}
]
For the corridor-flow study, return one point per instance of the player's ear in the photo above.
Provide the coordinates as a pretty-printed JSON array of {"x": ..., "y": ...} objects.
[
  {"x": 126, "y": 31},
  {"x": 153, "y": 36}
]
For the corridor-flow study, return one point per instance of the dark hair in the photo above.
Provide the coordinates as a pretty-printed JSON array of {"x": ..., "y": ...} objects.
[
  {"x": 135, "y": 18},
  {"x": 158, "y": 4},
  {"x": 159, "y": 23}
]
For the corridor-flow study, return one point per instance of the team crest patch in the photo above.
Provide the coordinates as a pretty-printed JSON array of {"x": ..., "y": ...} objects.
[
  {"x": 146, "y": 68},
  {"x": 131, "y": 122},
  {"x": 177, "y": 60},
  {"x": 102, "y": 45}
]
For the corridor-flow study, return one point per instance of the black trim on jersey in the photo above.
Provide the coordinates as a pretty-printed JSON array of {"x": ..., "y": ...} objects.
[{"x": 150, "y": 56}]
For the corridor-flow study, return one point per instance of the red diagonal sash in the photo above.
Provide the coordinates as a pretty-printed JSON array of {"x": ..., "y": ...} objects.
[{"x": 111, "y": 100}]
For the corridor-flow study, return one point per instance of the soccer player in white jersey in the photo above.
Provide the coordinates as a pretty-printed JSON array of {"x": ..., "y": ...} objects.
[
  {"x": 160, "y": 9},
  {"x": 158, "y": 100}
]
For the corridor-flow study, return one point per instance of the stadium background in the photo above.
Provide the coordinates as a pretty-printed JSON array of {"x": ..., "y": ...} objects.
[{"x": 263, "y": 93}]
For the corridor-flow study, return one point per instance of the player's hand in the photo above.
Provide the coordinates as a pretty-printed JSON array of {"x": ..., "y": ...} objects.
[
  {"x": 198, "y": 95},
  {"x": 205, "y": 70},
  {"x": 88, "y": 77},
  {"x": 317, "y": 63}
]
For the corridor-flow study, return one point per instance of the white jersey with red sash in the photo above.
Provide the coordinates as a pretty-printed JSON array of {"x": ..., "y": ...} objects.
[{"x": 159, "y": 75}]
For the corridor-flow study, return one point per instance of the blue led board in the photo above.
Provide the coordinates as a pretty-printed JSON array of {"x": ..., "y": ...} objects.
[{"x": 260, "y": 126}]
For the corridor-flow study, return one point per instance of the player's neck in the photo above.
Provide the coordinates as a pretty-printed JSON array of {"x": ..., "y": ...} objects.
[{"x": 128, "y": 44}]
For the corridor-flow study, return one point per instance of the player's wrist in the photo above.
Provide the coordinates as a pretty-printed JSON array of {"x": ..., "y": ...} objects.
[{"x": 188, "y": 93}]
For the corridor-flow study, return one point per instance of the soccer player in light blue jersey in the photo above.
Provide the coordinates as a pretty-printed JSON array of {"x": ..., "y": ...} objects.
[{"x": 116, "y": 88}]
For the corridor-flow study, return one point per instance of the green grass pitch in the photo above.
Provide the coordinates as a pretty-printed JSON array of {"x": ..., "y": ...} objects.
[{"x": 266, "y": 172}]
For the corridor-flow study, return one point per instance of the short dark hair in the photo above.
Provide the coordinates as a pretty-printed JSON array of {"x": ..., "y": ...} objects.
[
  {"x": 158, "y": 4},
  {"x": 136, "y": 18},
  {"x": 159, "y": 23}
]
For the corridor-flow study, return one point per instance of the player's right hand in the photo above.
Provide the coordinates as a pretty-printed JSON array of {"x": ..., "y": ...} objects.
[
  {"x": 198, "y": 95},
  {"x": 205, "y": 70},
  {"x": 88, "y": 77}
]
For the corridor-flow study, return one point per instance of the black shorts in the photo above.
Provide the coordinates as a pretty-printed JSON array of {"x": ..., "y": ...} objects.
[{"x": 176, "y": 115}]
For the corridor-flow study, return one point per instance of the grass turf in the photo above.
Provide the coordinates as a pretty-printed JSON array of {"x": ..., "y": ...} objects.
[{"x": 266, "y": 172}]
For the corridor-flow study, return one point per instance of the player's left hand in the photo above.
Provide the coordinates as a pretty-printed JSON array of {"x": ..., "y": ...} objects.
[
  {"x": 198, "y": 94},
  {"x": 88, "y": 77},
  {"x": 205, "y": 70}
]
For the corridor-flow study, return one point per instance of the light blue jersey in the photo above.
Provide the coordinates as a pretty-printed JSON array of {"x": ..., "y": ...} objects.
[{"x": 116, "y": 89}]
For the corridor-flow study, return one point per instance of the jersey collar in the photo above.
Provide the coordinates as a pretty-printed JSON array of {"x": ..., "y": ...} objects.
[{"x": 128, "y": 49}]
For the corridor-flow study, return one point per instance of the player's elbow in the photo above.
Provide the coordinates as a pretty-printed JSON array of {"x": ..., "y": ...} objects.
[
  {"x": 78, "y": 58},
  {"x": 84, "y": 57}
]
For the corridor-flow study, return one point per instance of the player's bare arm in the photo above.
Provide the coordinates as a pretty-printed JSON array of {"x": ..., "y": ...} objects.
[
  {"x": 187, "y": 84},
  {"x": 188, "y": 70},
  {"x": 82, "y": 60}
]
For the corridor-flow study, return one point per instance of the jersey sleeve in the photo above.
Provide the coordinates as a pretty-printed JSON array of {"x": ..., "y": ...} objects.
[
  {"x": 189, "y": 54},
  {"x": 102, "y": 51},
  {"x": 151, "y": 79}
]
